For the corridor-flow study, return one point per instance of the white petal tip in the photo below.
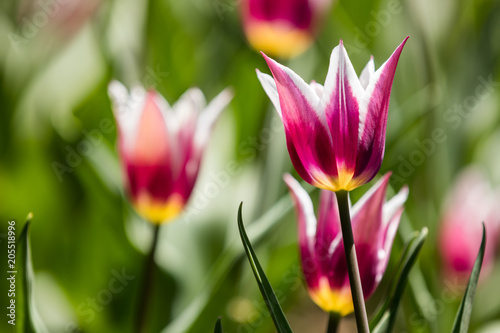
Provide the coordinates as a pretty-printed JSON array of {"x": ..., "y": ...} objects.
[{"x": 117, "y": 90}]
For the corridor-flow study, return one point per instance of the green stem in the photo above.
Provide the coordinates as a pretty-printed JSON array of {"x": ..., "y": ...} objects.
[
  {"x": 333, "y": 322},
  {"x": 352, "y": 263},
  {"x": 147, "y": 283}
]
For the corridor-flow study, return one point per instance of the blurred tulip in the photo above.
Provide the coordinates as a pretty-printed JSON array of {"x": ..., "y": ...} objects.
[
  {"x": 374, "y": 223},
  {"x": 470, "y": 202},
  {"x": 335, "y": 134},
  {"x": 282, "y": 28},
  {"x": 161, "y": 146},
  {"x": 62, "y": 18}
]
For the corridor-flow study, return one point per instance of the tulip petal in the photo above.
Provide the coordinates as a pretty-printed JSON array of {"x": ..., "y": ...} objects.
[
  {"x": 371, "y": 208},
  {"x": 367, "y": 229},
  {"x": 328, "y": 235},
  {"x": 305, "y": 128},
  {"x": 210, "y": 115},
  {"x": 373, "y": 118},
  {"x": 318, "y": 88},
  {"x": 269, "y": 86},
  {"x": 193, "y": 134},
  {"x": 341, "y": 102},
  {"x": 367, "y": 73},
  {"x": 152, "y": 142},
  {"x": 392, "y": 212},
  {"x": 306, "y": 228},
  {"x": 156, "y": 180},
  {"x": 127, "y": 109},
  {"x": 395, "y": 204}
]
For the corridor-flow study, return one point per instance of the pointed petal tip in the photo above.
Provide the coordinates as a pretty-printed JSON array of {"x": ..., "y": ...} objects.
[
  {"x": 405, "y": 189},
  {"x": 115, "y": 86},
  {"x": 403, "y": 43},
  {"x": 265, "y": 56},
  {"x": 289, "y": 180},
  {"x": 113, "y": 82},
  {"x": 385, "y": 178},
  {"x": 271, "y": 63},
  {"x": 228, "y": 92},
  {"x": 341, "y": 45}
]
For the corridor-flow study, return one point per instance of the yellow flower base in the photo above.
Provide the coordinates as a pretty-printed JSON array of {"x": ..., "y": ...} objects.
[
  {"x": 332, "y": 301},
  {"x": 159, "y": 212},
  {"x": 278, "y": 38}
]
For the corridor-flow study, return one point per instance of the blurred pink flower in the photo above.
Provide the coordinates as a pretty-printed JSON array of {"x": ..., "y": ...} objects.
[
  {"x": 335, "y": 134},
  {"x": 470, "y": 202},
  {"x": 282, "y": 28},
  {"x": 63, "y": 18},
  {"x": 161, "y": 146},
  {"x": 374, "y": 223}
]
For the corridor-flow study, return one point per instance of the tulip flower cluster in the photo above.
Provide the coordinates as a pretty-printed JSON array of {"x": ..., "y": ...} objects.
[{"x": 335, "y": 136}]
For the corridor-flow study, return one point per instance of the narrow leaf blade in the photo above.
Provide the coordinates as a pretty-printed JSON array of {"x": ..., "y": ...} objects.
[
  {"x": 462, "y": 320},
  {"x": 385, "y": 320},
  {"x": 27, "y": 317},
  {"x": 279, "y": 319},
  {"x": 218, "y": 326}
]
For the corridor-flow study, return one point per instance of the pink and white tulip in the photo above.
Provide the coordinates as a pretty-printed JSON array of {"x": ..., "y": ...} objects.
[
  {"x": 161, "y": 146},
  {"x": 283, "y": 28},
  {"x": 335, "y": 133},
  {"x": 471, "y": 201},
  {"x": 374, "y": 223}
]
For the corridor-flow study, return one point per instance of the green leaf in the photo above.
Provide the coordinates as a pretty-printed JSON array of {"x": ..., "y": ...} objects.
[
  {"x": 279, "y": 319},
  {"x": 384, "y": 320},
  {"x": 27, "y": 320},
  {"x": 218, "y": 326},
  {"x": 462, "y": 319}
]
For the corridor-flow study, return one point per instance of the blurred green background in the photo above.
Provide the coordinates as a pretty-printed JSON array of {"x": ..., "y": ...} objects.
[{"x": 58, "y": 157}]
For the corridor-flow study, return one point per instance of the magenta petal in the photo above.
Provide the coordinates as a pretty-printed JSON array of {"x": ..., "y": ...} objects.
[
  {"x": 328, "y": 224},
  {"x": 372, "y": 139},
  {"x": 375, "y": 224},
  {"x": 341, "y": 106},
  {"x": 369, "y": 235},
  {"x": 367, "y": 213},
  {"x": 305, "y": 128},
  {"x": 156, "y": 180},
  {"x": 297, "y": 163},
  {"x": 329, "y": 247},
  {"x": 335, "y": 268},
  {"x": 306, "y": 229},
  {"x": 296, "y": 12}
]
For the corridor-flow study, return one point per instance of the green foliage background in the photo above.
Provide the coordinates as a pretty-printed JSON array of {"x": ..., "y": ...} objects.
[{"x": 54, "y": 89}]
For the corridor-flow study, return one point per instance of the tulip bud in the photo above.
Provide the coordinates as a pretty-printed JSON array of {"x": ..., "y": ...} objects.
[
  {"x": 283, "y": 28},
  {"x": 161, "y": 146},
  {"x": 470, "y": 202},
  {"x": 374, "y": 223},
  {"x": 335, "y": 133}
]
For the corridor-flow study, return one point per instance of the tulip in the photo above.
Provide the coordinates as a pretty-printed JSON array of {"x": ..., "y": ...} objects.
[
  {"x": 374, "y": 223},
  {"x": 470, "y": 202},
  {"x": 335, "y": 133},
  {"x": 161, "y": 146},
  {"x": 57, "y": 18},
  {"x": 283, "y": 28}
]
